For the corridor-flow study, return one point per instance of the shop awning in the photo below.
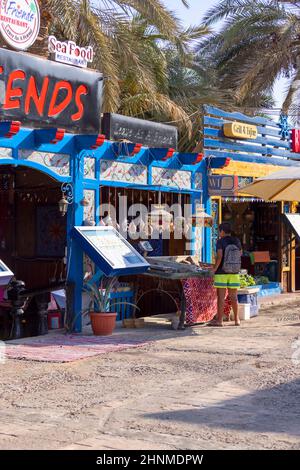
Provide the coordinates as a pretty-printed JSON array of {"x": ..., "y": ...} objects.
[
  {"x": 111, "y": 253},
  {"x": 293, "y": 223}
]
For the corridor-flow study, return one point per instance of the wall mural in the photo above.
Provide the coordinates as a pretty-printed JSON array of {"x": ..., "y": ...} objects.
[
  {"x": 50, "y": 232},
  {"x": 198, "y": 183},
  {"x": 215, "y": 213},
  {"x": 123, "y": 172},
  {"x": 5, "y": 153},
  {"x": 90, "y": 168},
  {"x": 57, "y": 162},
  {"x": 171, "y": 178},
  {"x": 89, "y": 207}
]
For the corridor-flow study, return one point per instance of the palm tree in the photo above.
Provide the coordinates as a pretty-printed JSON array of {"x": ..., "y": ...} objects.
[
  {"x": 258, "y": 42},
  {"x": 104, "y": 25}
]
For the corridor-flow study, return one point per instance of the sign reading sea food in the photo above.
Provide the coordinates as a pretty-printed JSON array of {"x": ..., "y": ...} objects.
[
  {"x": 43, "y": 93},
  {"x": 19, "y": 22},
  {"x": 70, "y": 53}
]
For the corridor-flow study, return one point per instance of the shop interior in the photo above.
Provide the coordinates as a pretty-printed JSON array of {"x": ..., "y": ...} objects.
[
  {"x": 32, "y": 230},
  {"x": 153, "y": 296},
  {"x": 167, "y": 245},
  {"x": 257, "y": 225}
]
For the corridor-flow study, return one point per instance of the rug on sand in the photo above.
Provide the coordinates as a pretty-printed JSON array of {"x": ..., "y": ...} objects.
[{"x": 68, "y": 348}]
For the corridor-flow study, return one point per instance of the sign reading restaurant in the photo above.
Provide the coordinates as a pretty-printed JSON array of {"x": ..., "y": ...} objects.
[
  {"x": 40, "y": 92},
  {"x": 69, "y": 53},
  {"x": 240, "y": 130},
  {"x": 19, "y": 22}
]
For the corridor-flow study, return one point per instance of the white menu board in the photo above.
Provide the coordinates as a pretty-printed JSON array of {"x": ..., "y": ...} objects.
[
  {"x": 112, "y": 248},
  {"x": 5, "y": 274}
]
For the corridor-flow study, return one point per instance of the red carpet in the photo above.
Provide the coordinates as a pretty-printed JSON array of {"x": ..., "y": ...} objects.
[{"x": 68, "y": 348}]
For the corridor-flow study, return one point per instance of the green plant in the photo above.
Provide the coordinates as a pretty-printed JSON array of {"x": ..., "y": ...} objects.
[
  {"x": 100, "y": 295},
  {"x": 247, "y": 280},
  {"x": 262, "y": 280}
]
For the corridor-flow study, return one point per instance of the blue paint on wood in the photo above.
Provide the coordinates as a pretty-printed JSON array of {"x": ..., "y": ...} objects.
[
  {"x": 219, "y": 135},
  {"x": 215, "y": 122},
  {"x": 257, "y": 120},
  {"x": 253, "y": 158},
  {"x": 251, "y": 149}
]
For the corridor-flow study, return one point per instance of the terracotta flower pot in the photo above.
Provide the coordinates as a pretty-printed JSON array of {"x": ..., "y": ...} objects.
[{"x": 103, "y": 324}]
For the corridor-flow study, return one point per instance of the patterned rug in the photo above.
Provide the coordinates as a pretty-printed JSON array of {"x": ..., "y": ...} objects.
[{"x": 68, "y": 348}]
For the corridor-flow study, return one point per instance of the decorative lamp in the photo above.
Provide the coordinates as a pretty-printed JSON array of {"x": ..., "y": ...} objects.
[{"x": 63, "y": 206}]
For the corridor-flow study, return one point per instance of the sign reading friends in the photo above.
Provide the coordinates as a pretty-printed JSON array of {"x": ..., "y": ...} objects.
[
  {"x": 240, "y": 130},
  {"x": 39, "y": 92},
  {"x": 19, "y": 22}
]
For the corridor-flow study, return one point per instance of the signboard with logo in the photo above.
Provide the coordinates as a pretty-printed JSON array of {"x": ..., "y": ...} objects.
[
  {"x": 37, "y": 91},
  {"x": 151, "y": 134},
  {"x": 296, "y": 140},
  {"x": 19, "y": 22},
  {"x": 240, "y": 130},
  {"x": 222, "y": 185},
  {"x": 69, "y": 53}
]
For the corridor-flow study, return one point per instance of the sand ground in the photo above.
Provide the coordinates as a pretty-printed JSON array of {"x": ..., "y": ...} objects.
[{"x": 204, "y": 388}]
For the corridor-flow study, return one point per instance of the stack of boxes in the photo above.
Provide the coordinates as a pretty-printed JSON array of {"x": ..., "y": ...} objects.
[{"x": 248, "y": 304}]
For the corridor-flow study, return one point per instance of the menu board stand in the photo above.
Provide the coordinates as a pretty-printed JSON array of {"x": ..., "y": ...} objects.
[{"x": 109, "y": 250}]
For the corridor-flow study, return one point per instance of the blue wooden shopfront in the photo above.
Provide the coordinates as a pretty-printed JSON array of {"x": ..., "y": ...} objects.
[
  {"x": 267, "y": 148},
  {"x": 41, "y": 99},
  {"x": 81, "y": 164}
]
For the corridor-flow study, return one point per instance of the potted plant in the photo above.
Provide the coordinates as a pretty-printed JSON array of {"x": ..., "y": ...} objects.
[{"x": 103, "y": 321}]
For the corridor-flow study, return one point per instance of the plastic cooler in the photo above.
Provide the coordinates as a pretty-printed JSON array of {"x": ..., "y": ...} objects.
[{"x": 249, "y": 296}]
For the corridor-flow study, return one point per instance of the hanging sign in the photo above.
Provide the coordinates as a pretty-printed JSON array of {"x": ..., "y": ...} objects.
[
  {"x": 19, "y": 22},
  {"x": 240, "y": 130},
  {"x": 43, "y": 93},
  {"x": 221, "y": 185},
  {"x": 151, "y": 134},
  {"x": 296, "y": 140},
  {"x": 70, "y": 53}
]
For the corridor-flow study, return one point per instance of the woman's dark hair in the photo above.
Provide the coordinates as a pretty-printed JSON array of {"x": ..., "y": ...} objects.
[{"x": 225, "y": 227}]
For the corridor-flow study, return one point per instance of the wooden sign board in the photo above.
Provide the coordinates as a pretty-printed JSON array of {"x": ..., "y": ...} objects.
[
  {"x": 151, "y": 134},
  {"x": 240, "y": 130},
  {"x": 43, "y": 93}
]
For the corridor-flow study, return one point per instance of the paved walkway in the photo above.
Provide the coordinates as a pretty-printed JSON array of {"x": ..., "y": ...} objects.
[{"x": 203, "y": 388}]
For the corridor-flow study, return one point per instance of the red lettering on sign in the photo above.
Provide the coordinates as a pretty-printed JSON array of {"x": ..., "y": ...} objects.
[
  {"x": 296, "y": 140},
  {"x": 55, "y": 109},
  {"x": 32, "y": 94},
  {"x": 11, "y": 92},
  {"x": 81, "y": 90}
]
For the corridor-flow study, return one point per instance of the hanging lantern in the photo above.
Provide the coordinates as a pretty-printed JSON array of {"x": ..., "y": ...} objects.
[
  {"x": 132, "y": 229},
  {"x": 201, "y": 218},
  {"x": 63, "y": 206},
  {"x": 159, "y": 218},
  {"x": 249, "y": 215},
  {"x": 179, "y": 224},
  {"x": 227, "y": 214}
]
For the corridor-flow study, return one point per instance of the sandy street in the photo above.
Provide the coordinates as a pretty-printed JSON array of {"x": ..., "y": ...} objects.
[{"x": 204, "y": 388}]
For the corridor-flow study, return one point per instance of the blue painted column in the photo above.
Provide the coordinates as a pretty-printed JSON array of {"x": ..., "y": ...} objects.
[
  {"x": 207, "y": 245},
  {"x": 75, "y": 255}
]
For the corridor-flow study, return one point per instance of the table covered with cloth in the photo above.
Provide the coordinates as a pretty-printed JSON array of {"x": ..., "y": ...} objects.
[{"x": 201, "y": 300}]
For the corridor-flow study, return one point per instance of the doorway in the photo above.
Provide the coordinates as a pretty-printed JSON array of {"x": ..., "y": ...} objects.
[{"x": 32, "y": 230}]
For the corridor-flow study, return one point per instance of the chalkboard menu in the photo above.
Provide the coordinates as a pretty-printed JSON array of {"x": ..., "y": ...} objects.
[{"x": 151, "y": 134}]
